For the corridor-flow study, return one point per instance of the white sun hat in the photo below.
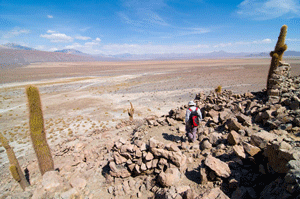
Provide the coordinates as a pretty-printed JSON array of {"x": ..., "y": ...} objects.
[{"x": 192, "y": 103}]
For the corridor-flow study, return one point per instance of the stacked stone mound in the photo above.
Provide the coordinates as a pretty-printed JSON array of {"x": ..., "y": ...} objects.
[
  {"x": 138, "y": 158},
  {"x": 254, "y": 134}
]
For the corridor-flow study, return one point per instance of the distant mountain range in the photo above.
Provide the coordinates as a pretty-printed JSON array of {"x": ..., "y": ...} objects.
[
  {"x": 71, "y": 51},
  {"x": 14, "y": 55},
  {"x": 16, "y": 46},
  {"x": 286, "y": 54}
]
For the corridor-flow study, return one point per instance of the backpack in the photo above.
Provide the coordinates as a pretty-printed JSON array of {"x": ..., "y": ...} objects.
[{"x": 194, "y": 121}]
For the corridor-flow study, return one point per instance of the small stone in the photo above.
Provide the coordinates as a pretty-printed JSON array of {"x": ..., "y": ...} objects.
[
  {"x": 78, "y": 182},
  {"x": 239, "y": 151},
  {"x": 203, "y": 175},
  {"x": 119, "y": 159},
  {"x": 221, "y": 168},
  {"x": 154, "y": 163},
  {"x": 233, "y": 138},
  {"x": 215, "y": 138},
  {"x": 262, "y": 138},
  {"x": 250, "y": 149},
  {"x": 110, "y": 189},
  {"x": 169, "y": 177},
  {"x": 149, "y": 164},
  {"x": 143, "y": 167},
  {"x": 205, "y": 144},
  {"x": 138, "y": 153},
  {"x": 149, "y": 156},
  {"x": 233, "y": 124}
]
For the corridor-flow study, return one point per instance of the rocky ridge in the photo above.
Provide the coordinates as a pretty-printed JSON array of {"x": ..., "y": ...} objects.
[{"x": 247, "y": 147}]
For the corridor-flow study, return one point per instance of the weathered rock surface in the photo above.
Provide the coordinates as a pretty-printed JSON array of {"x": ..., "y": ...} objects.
[
  {"x": 219, "y": 167},
  {"x": 169, "y": 177}
]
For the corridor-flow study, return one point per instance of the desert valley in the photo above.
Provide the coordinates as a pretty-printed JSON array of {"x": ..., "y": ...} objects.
[{"x": 85, "y": 107}]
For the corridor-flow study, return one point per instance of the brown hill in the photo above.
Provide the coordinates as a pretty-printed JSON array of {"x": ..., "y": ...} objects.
[{"x": 11, "y": 58}]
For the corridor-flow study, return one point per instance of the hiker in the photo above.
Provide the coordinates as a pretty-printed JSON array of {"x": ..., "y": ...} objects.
[{"x": 193, "y": 117}]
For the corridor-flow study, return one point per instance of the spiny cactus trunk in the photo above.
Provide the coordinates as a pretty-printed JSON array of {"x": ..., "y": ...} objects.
[
  {"x": 37, "y": 131},
  {"x": 14, "y": 168},
  {"x": 277, "y": 54}
]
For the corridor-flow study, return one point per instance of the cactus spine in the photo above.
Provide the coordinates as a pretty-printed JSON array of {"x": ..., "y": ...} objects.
[
  {"x": 14, "y": 168},
  {"x": 37, "y": 131},
  {"x": 277, "y": 54}
]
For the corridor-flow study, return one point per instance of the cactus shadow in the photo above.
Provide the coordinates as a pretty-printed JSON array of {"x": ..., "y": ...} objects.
[{"x": 170, "y": 137}]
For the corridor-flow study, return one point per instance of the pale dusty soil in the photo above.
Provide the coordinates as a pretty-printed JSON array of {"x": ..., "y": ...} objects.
[{"x": 78, "y": 98}]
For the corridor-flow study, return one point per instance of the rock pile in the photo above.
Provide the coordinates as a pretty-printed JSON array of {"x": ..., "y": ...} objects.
[
  {"x": 250, "y": 142},
  {"x": 246, "y": 141},
  {"x": 154, "y": 157}
]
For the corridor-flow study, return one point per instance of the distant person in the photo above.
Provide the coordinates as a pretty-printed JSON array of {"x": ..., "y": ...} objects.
[{"x": 193, "y": 117}]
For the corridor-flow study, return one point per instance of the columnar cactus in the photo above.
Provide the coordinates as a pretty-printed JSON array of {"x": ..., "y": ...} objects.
[
  {"x": 277, "y": 54},
  {"x": 131, "y": 112},
  {"x": 37, "y": 131},
  {"x": 14, "y": 168}
]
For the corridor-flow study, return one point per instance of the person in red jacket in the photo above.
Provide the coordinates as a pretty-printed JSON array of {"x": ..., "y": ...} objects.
[{"x": 193, "y": 117}]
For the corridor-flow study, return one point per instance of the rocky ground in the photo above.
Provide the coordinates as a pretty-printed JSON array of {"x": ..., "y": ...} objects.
[{"x": 247, "y": 147}]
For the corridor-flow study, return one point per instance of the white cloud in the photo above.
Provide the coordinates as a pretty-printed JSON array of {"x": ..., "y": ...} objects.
[
  {"x": 40, "y": 47},
  {"x": 57, "y": 37},
  {"x": 92, "y": 43},
  {"x": 269, "y": 9},
  {"x": 15, "y": 32},
  {"x": 144, "y": 13},
  {"x": 222, "y": 45},
  {"x": 51, "y": 31},
  {"x": 154, "y": 18},
  {"x": 266, "y": 41},
  {"x": 53, "y": 49},
  {"x": 82, "y": 38},
  {"x": 50, "y": 16},
  {"x": 88, "y": 47},
  {"x": 84, "y": 29},
  {"x": 194, "y": 31},
  {"x": 231, "y": 45},
  {"x": 76, "y": 46}
]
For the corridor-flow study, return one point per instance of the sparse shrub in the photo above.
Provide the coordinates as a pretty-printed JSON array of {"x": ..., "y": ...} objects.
[{"x": 218, "y": 89}]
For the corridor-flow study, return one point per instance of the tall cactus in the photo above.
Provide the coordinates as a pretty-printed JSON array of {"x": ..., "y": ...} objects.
[
  {"x": 277, "y": 54},
  {"x": 37, "y": 131},
  {"x": 14, "y": 168}
]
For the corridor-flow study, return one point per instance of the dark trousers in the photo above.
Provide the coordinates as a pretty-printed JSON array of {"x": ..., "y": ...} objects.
[{"x": 191, "y": 132}]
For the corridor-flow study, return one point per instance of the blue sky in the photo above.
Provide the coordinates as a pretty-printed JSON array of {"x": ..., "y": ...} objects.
[{"x": 150, "y": 26}]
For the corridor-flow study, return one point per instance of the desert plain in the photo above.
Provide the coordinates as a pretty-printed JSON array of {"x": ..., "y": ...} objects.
[{"x": 79, "y": 97}]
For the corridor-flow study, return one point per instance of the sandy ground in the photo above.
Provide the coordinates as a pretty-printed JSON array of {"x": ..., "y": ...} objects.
[{"x": 80, "y": 97}]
